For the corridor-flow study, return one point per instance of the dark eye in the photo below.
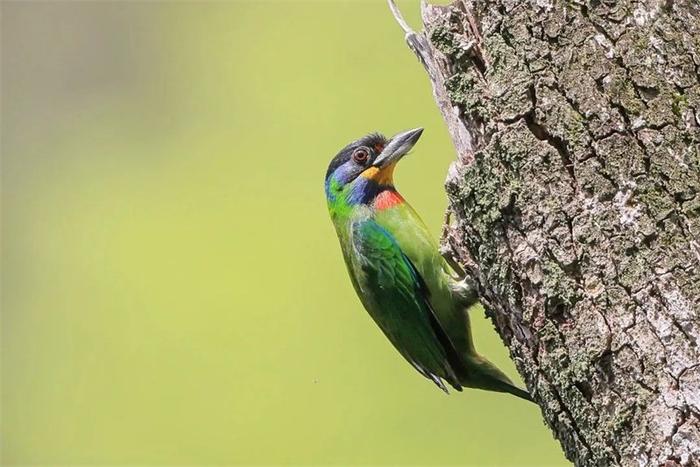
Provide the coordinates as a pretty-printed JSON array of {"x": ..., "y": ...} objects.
[{"x": 360, "y": 155}]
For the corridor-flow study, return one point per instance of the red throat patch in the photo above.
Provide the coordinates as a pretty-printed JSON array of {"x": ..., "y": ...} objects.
[{"x": 387, "y": 199}]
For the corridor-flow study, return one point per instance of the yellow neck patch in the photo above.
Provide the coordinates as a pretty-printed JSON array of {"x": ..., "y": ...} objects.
[{"x": 383, "y": 176}]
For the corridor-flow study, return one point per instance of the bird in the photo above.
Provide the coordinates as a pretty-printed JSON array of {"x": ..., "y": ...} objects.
[{"x": 396, "y": 268}]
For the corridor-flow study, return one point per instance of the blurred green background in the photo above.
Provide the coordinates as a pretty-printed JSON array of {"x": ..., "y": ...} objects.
[{"x": 172, "y": 288}]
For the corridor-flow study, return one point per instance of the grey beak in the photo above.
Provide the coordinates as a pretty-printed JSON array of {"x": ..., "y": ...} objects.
[{"x": 398, "y": 147}]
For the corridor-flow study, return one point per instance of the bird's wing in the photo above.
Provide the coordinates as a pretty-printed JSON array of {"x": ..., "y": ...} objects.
[{"x": 397, "y": 299}]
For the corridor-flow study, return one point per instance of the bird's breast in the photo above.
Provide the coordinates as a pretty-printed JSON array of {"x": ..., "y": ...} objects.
[{"x": 387, "y": 199}]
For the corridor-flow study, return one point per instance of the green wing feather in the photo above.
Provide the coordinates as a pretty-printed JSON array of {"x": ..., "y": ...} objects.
[{"x": 397, "y": 299}]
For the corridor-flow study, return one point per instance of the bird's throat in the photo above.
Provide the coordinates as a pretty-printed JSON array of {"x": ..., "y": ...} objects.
[{"x": 381, "y": 176}]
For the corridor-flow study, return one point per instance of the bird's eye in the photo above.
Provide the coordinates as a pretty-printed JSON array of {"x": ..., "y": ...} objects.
[{"x": 360, "y": 155}]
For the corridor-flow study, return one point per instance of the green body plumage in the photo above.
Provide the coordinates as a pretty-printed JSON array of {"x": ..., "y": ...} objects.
[{"x": 397, "y": 271}]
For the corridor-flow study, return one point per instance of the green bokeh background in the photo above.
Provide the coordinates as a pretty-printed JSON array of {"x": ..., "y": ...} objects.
[{"x": 172, "y": 289}]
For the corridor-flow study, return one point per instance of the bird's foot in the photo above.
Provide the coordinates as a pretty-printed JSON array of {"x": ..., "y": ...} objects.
[{"x": 446, "y": 250}]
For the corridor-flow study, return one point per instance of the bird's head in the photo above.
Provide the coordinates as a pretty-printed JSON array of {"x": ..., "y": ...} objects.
[{"x": 365, "y": 168}]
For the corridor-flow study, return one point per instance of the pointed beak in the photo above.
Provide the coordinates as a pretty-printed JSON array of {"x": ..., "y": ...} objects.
[{"x": 398, "y": 147}]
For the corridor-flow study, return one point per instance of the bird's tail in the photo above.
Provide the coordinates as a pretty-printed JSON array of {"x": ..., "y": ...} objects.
[
  {"x": 510, "y": 388},
  {"x": 486, "y": 375}
]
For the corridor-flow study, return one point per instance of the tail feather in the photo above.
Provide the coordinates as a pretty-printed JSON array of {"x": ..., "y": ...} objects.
[
  {"x": 502, "y": 386},
  {"x": 487, "y": 376}
]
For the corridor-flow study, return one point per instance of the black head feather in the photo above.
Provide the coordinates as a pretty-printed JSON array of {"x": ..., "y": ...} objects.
[{"x": 374, "y": 141}]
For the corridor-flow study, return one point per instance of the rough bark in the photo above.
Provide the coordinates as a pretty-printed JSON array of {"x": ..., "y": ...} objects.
[{"x": 575, "y": 206}]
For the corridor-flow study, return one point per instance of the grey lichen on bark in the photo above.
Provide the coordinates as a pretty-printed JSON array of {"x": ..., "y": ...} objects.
[{"x": 575, "y": 205}]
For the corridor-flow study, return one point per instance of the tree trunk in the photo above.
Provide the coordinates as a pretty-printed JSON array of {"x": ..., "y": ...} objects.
[{"x": 575, "y": 206}]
